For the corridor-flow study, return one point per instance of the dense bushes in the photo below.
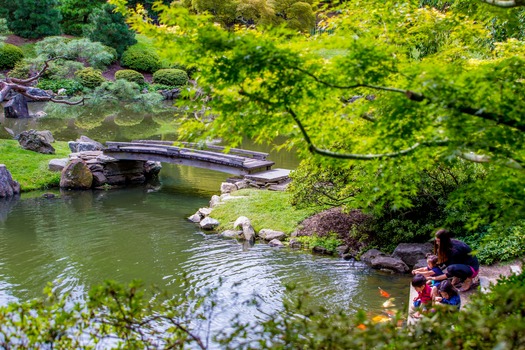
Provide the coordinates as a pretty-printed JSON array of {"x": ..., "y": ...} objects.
[
  {"x": 170, "y": 77},
  {"x": 141, "y": 60},
  {"x": 490, "y": 321},
  {"x": 130, "y": 75},
  {"x": 71, "y": 86},
  {"x": 9, "y": 55},
  {"x": 90, "y": 77}
]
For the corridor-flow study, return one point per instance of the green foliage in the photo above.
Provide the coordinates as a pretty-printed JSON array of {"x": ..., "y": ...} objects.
[
  {"x": 29, "y": 168},
  {"x": 75, "y": 14},
  {"x": 131, "y": 317},
  {"x": 430, "y": 79},
  {"x": 95, "y": 54},
  {"x": 330, "y": 242},
  {"x": 141, "y": 59},
  {"x": 21, "y": 70},
  {"x": 9, "y": 55},
  {"x": 33, "y": 18},
  {"x": 71, "y": 86},
  {"x": 170, "y": 77},
  {"x": 130, "y": 75},
  {"x": 109, "y": 28},
  {"x": 265, "y": 209},
  {"x": 496, "y": 244},
  {"x": 90, "y": 77}
]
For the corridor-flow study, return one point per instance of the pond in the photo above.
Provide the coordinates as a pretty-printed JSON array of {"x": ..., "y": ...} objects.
[{"x": 83, "y": 238}]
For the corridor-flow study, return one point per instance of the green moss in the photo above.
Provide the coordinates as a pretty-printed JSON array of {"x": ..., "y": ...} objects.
[
  {"x": 265, "y": 209},
  {"x": 29, "y": 168}
]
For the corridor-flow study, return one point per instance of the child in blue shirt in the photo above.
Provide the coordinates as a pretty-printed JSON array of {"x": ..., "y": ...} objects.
[{"x": 448, "y": 295}]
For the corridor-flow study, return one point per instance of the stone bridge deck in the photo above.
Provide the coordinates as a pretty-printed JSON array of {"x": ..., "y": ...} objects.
[{"x": 237, "y": 161}]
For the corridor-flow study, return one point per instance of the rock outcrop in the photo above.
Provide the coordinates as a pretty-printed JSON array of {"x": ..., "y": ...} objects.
[
  {"x": 8, "y": 186},
  {"x": 108, "y": 171},
  {"x": 36, "y": 141},
  {"x": 76, "y": 175}
]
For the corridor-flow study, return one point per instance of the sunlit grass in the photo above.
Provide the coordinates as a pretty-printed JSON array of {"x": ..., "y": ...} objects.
[
  {"x": 265, "y": 209},
  {"x": 29, "y": 168}
]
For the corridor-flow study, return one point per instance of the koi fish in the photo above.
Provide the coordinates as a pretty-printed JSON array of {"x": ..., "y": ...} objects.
[
  {"x": 380, "y": 319},
  {"x": 383, "y": 293},
  {"x": 389, "y": 303}
]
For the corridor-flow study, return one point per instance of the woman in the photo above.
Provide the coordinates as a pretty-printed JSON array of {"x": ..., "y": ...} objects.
[{"x": 455, "y": 255}]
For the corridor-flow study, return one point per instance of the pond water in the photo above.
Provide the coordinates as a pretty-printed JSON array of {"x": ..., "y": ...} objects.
[{"x": 83, "y": 238}]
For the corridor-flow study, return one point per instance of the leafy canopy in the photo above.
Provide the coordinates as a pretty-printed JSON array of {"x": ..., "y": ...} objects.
[{"x": 438, "y": 86}]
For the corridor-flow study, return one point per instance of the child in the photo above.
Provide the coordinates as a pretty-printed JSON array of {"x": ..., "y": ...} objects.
[
  {"x": 424, "y": 297},
  {"x": 449, "y": 295},
  {"x": 430, "y": 272}
]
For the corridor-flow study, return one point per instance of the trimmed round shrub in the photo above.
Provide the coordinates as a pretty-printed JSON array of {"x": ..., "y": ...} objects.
[
  {"x": 90, "y": 77},
  {"x": 9, "y": 55},
  {"x": 130, "y": 75},
  {"x": 170, "y": 77},
  {"x": 140, "y": 60}
]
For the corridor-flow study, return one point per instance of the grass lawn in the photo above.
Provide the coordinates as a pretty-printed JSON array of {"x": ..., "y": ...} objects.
[
  {"x": 29, "y": 168},
  {"x": 265, "y": 209}
]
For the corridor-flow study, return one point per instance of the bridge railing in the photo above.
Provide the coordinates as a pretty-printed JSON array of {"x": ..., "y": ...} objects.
[{"x": 212, "y": 148}]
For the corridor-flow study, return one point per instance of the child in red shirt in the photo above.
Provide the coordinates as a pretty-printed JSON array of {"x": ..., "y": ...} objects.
[{"x": 424, "y": 295}]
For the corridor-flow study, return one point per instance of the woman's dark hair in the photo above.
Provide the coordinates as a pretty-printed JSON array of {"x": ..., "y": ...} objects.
[
  {"x": 447, "y": 287},
  {"x": 445, "y": 245},
  {"x": 419, "y": 280}
]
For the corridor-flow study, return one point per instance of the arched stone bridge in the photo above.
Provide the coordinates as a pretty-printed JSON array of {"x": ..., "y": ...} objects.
[{"x": 237, "y": 161}]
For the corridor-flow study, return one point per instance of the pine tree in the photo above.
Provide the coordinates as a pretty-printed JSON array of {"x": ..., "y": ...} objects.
[{"x": 33, "y": 18}]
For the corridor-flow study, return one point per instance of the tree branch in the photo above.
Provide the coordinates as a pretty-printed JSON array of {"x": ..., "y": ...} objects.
[
  {"x": 38, "y": 75},
  {"x": 418, "y": 97},
  {"x": 312, "y": 148}
]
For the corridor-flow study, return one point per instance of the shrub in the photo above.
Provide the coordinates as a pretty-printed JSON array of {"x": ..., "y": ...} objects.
[
  {"x": 130, "y": 75},
  {"x": 9, "y": 55},
  {"x": 329, "y": 242},
  {"x": 71, "y": 86},
  {"x": 90, "y": 77},
  {"x": 21, "y": 70},
  {"x": 171, "y": 77},
  {"x": 141, "y": 60}
]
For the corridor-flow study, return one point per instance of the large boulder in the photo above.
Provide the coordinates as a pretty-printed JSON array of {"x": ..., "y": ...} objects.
[
  {"x": 389, "y": 263},
  {"x": 8, "y": 186},
  {"x": 269, "y": 235},
  {"x": 411, "y": 253},
  {"x": 76, "y": 175},
  {"x": 36, "y": 141},
  {"x": 83, "y": 144},
  {"x": 57, "y": 165},
  {"x": 227, "y": 187},
  {"x": 16, "y": 107},
  {"x": 209, "y": 223},
  {"x": 370, "y": 255}
]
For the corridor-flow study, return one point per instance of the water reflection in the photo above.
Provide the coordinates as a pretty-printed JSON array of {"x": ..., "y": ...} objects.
[{"x": 83, "y": 238}]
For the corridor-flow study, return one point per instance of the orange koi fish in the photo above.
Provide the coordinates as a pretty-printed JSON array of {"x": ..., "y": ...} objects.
[{"x": 383, "y": 293}]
